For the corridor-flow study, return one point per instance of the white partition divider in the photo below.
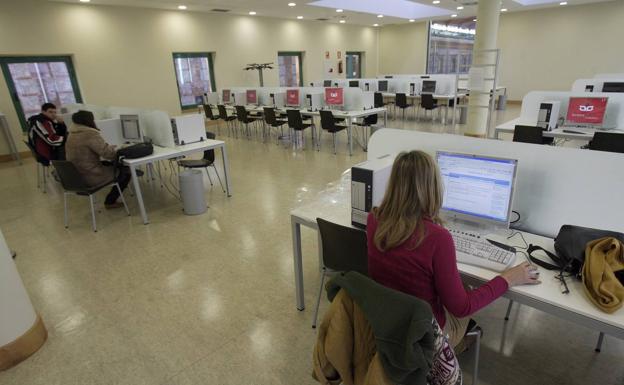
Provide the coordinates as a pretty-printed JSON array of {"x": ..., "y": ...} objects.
[
  {"x": 110, "y": 129},
  {"x": 99, "y": 112},
  {"x": 610, "y": 76},
  {"x": 445, "y": 83},
  {"x": 158, "y": 128},
  {"x": 614, "y": 117},
  {"x": 355, "y": 99},
  {"x": 581, "y": 85},
  {"x": 554, "y": 186}
]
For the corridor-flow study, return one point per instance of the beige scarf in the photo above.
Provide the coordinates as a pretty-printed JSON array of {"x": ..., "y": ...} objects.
[{"x": 604, "y": 257}]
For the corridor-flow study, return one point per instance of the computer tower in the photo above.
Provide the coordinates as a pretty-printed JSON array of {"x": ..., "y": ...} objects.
[
  {"x": 314, "y": 102},
  {"x": 278, "y": 99},
  {"x": 548, "y": 114},
  {"x": 188, "y": 129},
  {"x": 368, "y": 186}
]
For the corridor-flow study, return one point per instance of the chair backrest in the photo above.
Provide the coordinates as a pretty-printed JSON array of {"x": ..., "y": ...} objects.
[
  {"x": 378, "y": 100},
  {"x": 209, "y": 155},
  {"x": 295, "y": 121},
  {"x": 427, "y": 102},
  {"x": 71, "y": 179},
  {"x": 607, "y": 141},
  {"x": 371, "y": 120},
  {"x": 344, "y": 248},
  {"x": 269, "y": 115},
  {"x": 241, "y": 113},
  {"x": 222, "y": 111},
  {"x": 208, "y": 112},
  {"x": 528, "y": 134},
  {"x": 327, "y": 120},
  {"x": 40, "y": 159},
  {"x": 400, "y": 100}
]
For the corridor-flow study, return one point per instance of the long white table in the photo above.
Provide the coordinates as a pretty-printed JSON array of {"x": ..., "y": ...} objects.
[
  {"x": 164, "y": 153},
  {"x": 547, "y": 296},
  {"x": 584, "y": 134},
  {"x": 444, "y": 97}
]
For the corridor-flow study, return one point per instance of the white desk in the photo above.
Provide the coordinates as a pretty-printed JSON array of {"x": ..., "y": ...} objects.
[
  {"x": 547, "y": 296},
  {"x": 164, "y": 153},
  {"x": 583, "y": 134}
]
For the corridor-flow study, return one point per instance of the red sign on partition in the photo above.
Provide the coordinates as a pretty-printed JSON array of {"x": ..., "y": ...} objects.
[
  {"x": 586, "y": 110},
  {"x": 252, "y": 97},
  {"x": 292, "y": 97},
  {"x": 334, "y": 96}
]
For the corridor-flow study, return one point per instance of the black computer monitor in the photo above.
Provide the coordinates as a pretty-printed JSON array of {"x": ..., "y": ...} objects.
[
  {"x": 607, "y": 141},
  {"x": 613, "y": 87},
  {"x": 382, "y": 86},
  {"x": 354, "y": 83},
  {"x": 388, "y": 76},
  {"x": 428, "y": 87},
  {"x": 326, "y": 83}
]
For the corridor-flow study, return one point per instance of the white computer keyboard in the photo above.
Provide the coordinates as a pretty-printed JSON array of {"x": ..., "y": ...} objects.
[{"x": 477, "y": 251}]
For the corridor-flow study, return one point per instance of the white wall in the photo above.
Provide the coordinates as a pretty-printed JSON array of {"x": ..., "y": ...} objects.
[
  {"x": 545, "y": 49},
  {"x": 123, "y": 55}
]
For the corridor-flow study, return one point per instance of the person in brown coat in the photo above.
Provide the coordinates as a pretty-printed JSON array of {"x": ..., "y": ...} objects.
[{"x": 86, "y": 148}]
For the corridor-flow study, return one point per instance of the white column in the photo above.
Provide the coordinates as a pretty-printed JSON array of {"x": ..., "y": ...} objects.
[{"x": 488, "y": 12}]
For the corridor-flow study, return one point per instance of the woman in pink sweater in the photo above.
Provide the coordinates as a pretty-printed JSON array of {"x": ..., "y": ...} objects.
[{"x": 409, "y": 251}]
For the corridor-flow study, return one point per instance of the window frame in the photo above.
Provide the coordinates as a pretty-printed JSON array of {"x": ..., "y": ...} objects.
[
  {"x": 188, "y": 55},
  {"x": 4, "y": 64},
  {"x": 299, "y": 54}
]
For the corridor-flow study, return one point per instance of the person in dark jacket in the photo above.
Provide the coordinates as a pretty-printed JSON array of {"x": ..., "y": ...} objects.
[{"x": 47, "y": 133}]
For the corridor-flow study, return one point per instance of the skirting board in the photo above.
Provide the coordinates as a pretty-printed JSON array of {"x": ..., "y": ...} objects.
[
  {"x": 25, "y": 346},
  {"x": 9, "y": 157}
]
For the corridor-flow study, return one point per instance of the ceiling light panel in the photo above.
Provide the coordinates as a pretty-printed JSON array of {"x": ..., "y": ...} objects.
[{"x": 404, "y": 9}]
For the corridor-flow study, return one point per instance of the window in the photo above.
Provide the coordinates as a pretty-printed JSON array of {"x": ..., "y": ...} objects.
[
  {"x": 290, "y": 69},
  {"x": 33, "y": 81},
  {"x": 195, "y": 77},
  {"x": 354, "y": 65},
  {"x": 450, "y": 46}
]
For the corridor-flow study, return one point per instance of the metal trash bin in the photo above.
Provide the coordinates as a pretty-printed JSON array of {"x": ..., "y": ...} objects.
[
  {"x": 463, "y": 115},
  {"x": 192, "y": 192},
  {"x": 502, "y": 102}
]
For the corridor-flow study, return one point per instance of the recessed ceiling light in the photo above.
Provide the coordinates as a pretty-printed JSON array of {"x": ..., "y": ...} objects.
[
  {"x": 563, "y": 3},
  {"x": 292, "y": 4},
  {"x": 299, "y": 17},
  {"x": 182, "y": 7},
  {"x": 380, "y": 16},
  {"x": 504, "y": 10},
  {"x": 84, "y": 1},
  {"x": 460, "y": 7},
  {"x": 252, "y": 13},
  {"x": 339, "y": 10},
  {"x": 411, "y": 20},
  {"x": 436, "y": 1},
  {"x": 343, "y": 21},
  {"x": 453, "y": 15},
  {"x": 474, "y": 19},
  {"x": 375, "y": 25}
]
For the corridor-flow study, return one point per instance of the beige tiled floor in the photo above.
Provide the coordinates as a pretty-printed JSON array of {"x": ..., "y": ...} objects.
[{"x": 210, "y": 299}]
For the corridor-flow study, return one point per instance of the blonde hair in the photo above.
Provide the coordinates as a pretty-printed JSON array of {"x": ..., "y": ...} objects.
[{"x": 414, "y": 192}]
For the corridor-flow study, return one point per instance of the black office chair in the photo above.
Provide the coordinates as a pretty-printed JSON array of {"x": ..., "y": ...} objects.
[
  {"x": 43, "y": 167},
  {"x": 208, "y": 160},
  {"x": 607, "y": 141},
  {"x": 271, "y": 120},
  {"x": 428, "y": 103},
  {"x": 328, "y": 123},
  {"x": 378, "y": 100},
  {"x": 343, "y": 249},
  {"x": 74, "y": 183},
  {"x": 245, "y": 119},
  {"x": 211, "y": 116},
  {"x": 228, "y": 119},
  {"x": 401, "y": 102},
  {"x": 530, "y": 134},
  {"x": 296, "y": 123}
]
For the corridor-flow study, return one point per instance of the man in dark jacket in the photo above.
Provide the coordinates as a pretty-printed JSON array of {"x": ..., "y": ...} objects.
[{"x": 47, "y": 133}]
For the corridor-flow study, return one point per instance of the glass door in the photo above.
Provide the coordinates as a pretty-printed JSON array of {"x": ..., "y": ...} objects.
[
  {"x": 33, "y": 81},
  {"x": 354, "y": 65}
]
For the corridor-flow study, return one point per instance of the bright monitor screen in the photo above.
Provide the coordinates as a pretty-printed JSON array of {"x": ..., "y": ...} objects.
[
  {"x": 588, "y": 111},
  {"x": 252, "y": 97},
  {"x": 334, "y": 96},
  {"x": 429, "y": 86},
  {"x": 327, "y": 83},
  {"x": 382, "y": 86},
  {"x": 613, "y": 87},
  {"x": 130, "y": 129},
  {"x": 292, "y": 98},
  {"x": 226, "y": 95},
  {"x": 477, "y": 187},
  {"x": 354, "y": 83}
]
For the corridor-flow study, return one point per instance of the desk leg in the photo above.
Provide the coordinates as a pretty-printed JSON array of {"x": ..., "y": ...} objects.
[
  {"x": 386, "y": 118},
  {"x": 298, "y": 263},
  {"x": 226, "y": 170},
  {"x": 350, "y": 134},
  {"x": 139, "y": 195}
]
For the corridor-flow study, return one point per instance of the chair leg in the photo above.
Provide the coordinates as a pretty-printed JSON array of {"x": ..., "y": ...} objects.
[
  {"x": 475, "y": 372},
  {"x": 599, "y": 344},
  {"x": 37, "y": 167},
  {"x": 65, "y": 209},
  {"x": 209, "y": 178},
  {"x": 318, "y": 300},
  {"x": 508, "y": 310},
  {"x": 92, "y": 204},
  {"x": 45, "y": 181},
  {"x": 122, "y": 198},
  {"x": 334, "y": 138},
  {"x": 218, "y": 177}
]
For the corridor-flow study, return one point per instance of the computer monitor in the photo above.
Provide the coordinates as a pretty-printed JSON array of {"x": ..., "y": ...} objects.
[
  {"x": 130, "y": 128},
  {"x": 388, "y": 76},
  {"x": 586, "y": 111},
  {"x": 382, "y": 86},
  {"x": 334, "y": 97},
  {"x": 613, "y": 87},
  {"x": 477, "y": 189},
  {"x": 326, "y": 83},
  {"x": 354, "y": 83},
  {"x": 226, "y": 96},
  {"x": 252, "y": 97},
  {"x": 428, "y": 87},
  {"x": 292, "y": 98}
]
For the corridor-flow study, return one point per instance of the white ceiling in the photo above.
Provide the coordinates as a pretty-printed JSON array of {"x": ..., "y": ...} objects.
[{"x": 366, "y": 16}]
